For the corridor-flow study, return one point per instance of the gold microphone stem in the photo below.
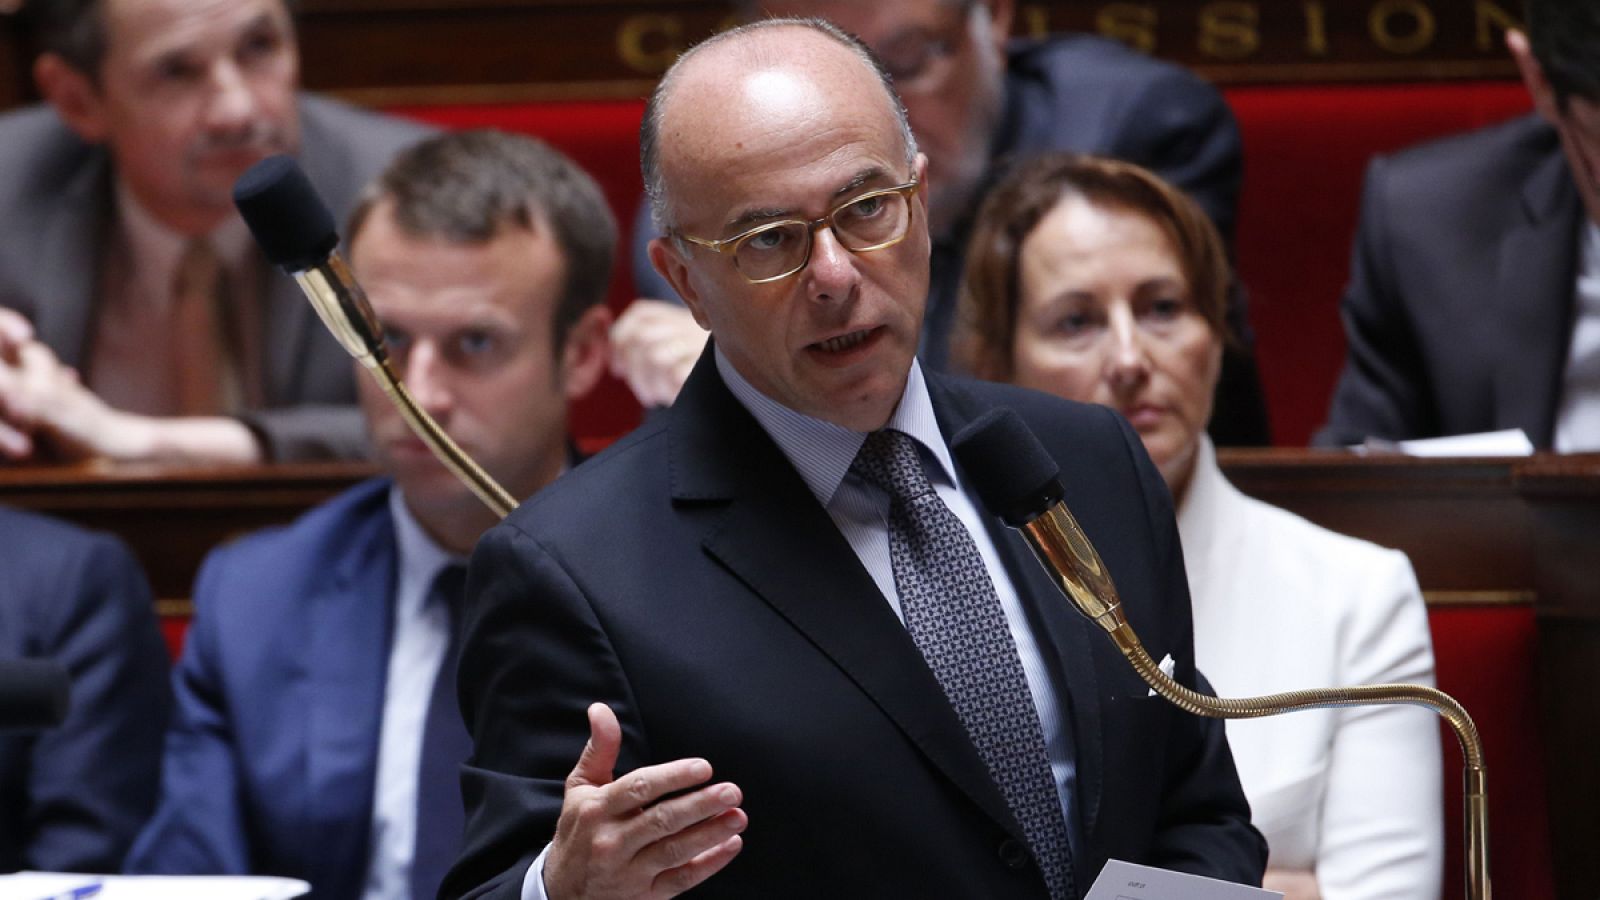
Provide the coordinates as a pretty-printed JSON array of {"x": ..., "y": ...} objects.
[
  {"x": 349, "y": 316},
  {"x": 454, "y": 458},
  {"x": 1067, "y": 553}
]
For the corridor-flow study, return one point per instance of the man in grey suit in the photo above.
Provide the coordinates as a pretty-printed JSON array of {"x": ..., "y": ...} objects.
[
  {"x": 979, "y": 102},
  {"x": 137, "y": 320},
  {"x": 1474, "y": 295}
]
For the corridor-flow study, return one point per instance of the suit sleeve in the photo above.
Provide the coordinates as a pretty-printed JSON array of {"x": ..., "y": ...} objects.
[
  {"x": 93, "y": 779},
  {"x": 1382, "y": 813},
  {"x": 1182, "y": 129},
  {"x": 534, "y": 656},
  {"x": 198, "y": 827},
  {"x": 310, "y": 432},
  {"x": 1203, "y": 826},
  {"x": 1382, "y": 391}
]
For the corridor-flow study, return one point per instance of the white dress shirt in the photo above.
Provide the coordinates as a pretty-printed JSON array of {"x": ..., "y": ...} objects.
[
  {"x": 1578, "y": 418},
  {"x": 1281, "y": 604},
  {"x": 421, "y": 635},
  {"x": 822, "y": 453}
]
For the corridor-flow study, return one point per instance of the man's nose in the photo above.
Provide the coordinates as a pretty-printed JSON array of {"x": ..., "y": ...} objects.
[
  {"x": 232, "y": 103},
  {"x": 832, "y": 272},
  {"x": 427, "y": 378}
]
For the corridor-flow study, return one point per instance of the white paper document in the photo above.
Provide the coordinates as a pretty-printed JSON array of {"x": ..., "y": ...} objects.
[
  {"x": 1125, "y": 881},
  {"x": 58, "y": 886},
  {"x": 1511, "y": 442}
]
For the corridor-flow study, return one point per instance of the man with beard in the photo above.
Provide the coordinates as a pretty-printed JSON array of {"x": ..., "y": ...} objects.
[
  {"x": 979, "y": 102},
  {"x": 142, "y": 322},
  {"x": 316, "y": 733}
]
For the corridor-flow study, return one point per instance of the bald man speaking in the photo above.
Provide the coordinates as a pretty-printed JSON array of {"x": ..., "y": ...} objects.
[{"x": 768, "y": 646}]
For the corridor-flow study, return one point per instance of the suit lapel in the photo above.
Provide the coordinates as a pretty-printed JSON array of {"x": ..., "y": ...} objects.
[
  {"x": 1069, "y": 649},
  {"x": 1537, "y": 270},
  {"x": 776, "y": 539},
  {"x": 73, "y": 264},
  {"x": 347, "y": 650}
]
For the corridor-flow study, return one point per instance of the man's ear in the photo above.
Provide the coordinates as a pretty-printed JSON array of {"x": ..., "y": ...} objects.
[
  {"x": 674, "y": 268},
  {"x": 586, "y": 352},
  {"x": 1544, "y": 96},
  {"x": 74, "y": 95}
]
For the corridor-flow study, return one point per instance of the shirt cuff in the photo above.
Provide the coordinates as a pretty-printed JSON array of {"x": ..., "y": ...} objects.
[{"x": 533, "y": 882}]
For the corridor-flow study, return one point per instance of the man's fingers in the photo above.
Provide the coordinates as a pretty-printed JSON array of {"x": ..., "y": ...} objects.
[
  {"x": 643, "y": 787},
  {"x": 14, "y": 444},
  {"x": 598, "y": 762},
  {"x": 680, "y": 879},
  {"x": 14, "y": 329},
  {"x": 684, "y": 843}
]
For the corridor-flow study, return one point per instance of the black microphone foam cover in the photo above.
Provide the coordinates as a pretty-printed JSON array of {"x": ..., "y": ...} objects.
[
  {"x": 1011, "y": 471},
  {"x": 34, "y": 694},
  {"x": 284, "y": 212}
]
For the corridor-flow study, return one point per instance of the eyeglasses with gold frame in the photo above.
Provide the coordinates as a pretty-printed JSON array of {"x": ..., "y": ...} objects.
[{"x": 866, "y": 228}]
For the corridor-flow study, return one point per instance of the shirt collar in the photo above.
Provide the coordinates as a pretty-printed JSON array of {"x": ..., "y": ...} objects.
[
  {"x": 421, "y": 557},
  {"x": 822, "y": 451}
]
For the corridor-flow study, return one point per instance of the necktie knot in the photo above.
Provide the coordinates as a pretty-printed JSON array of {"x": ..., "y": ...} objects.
[{"x": 889, "y": 460}]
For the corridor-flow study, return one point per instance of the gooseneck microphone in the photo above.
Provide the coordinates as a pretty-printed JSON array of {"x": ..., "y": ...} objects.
[
  {"x": 34, "y": 695},
  {"x": 1018, "y": 480},
  {"x": 296, "y": 232}
]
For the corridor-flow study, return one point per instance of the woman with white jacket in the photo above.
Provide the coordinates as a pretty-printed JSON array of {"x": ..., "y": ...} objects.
[{"x": 1094, "y": 280}]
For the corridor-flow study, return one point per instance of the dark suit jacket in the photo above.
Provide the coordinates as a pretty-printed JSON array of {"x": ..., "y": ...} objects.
[
  {"x": 688, "y": 578},
  {"x": 1089, "y": 94},
  {"x": 1460, "y": 303},
  {"x": 271, "y": 758},
  {"x": 59, "y": 195},
  {"x": 72, "y": 798}
]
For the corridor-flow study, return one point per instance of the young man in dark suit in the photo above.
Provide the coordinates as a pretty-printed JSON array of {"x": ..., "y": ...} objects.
[{"x": 317, "y": 734}]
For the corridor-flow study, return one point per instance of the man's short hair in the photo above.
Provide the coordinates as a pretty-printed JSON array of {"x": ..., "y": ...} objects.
[
  {"x": 467, "y": 187},
  {"x": 1565, "y": 36},
  {"x": 650, "y": 127},
  {"x": 75, "y": 30}
]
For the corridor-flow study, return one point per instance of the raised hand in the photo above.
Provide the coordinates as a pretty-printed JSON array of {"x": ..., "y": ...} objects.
[{"x": 653, "y": 833}]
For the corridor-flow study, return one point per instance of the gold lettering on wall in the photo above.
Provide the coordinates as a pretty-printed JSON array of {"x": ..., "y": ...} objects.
[
  {"x": 648, "y": 43},
  {"x": 1489, "y": 17},
  {"x": 1316, "y": 28},
  {"x": 1132, "y": 23},
  {"x": 1228, "y": 29},
  {"x": 1035, "y": 21},
  {"x": 1381, "y": 22}
]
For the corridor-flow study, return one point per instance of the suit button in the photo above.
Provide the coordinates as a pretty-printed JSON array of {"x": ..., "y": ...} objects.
[{"x": 1013, "y": 853}]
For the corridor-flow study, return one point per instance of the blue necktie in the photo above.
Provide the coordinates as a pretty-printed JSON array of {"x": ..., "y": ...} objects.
[
  {"x": 445, "y": 746},
  {"x": 954, "y": 617}
]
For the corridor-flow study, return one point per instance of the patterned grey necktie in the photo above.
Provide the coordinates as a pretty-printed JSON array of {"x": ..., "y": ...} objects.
[{"x": 954, "y": 617}]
